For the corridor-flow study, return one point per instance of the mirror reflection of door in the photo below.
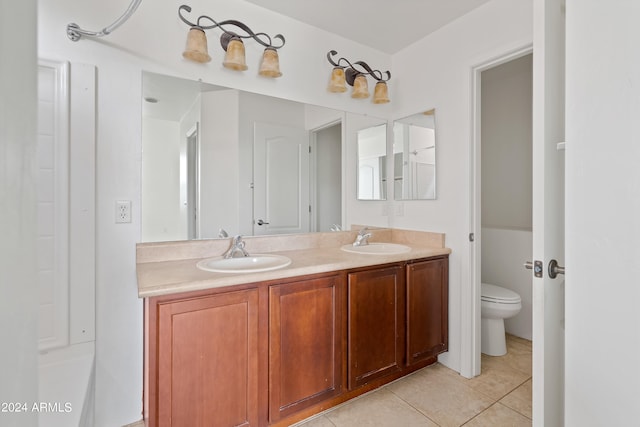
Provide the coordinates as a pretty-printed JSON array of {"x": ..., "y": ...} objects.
[
  {"x": 280, "y": 180},
  {"x": 192, "y": 183}
]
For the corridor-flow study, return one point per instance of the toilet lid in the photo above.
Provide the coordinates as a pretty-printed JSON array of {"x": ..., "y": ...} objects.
[{"x": 499, "y": 294}]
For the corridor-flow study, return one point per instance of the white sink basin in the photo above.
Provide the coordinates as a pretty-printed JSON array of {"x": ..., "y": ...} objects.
[
  {"x": 249, "y": 264},
  {"x": 377, "y": 249}
]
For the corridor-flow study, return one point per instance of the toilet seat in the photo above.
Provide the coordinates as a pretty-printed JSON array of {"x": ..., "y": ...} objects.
[{"x": 498, "y": 295}]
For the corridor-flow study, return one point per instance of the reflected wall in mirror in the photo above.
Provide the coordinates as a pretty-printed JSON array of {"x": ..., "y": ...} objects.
[
  {"x": 414, "y": 157},
  {"x": 217, "y": 159},
  {"x": 372, "y": 163}
]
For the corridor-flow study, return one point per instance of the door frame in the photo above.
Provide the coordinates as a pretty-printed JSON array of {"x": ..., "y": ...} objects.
[{"x": 470, "y": 365}]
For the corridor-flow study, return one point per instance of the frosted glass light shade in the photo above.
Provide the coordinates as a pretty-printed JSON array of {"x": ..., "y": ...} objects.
[
  {"x": 270, "y": 66},
  {"x": 196, "y": 49},
  {"x": 380, "y": 93},
  {"x": 360, "y": 87},
  {"x": 235, "y": 58},
  {"x": 337, "y": 83}
]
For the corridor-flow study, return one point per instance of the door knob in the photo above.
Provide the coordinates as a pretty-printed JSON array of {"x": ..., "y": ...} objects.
[
  {"x": 555, "y": 269},
  {"x": 261, "y": 222}
]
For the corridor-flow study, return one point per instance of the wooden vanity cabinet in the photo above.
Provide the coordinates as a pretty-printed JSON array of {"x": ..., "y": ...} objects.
[
  {"x": 305, "y": 344},
  {"x": 376, "y": 306},
  {"x": 427, "y": 309},
  {"x": 203, "y": 360},
  {"x": 274, "y": 352}
]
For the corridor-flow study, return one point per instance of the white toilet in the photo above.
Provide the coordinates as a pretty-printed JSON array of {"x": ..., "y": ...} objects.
[{"x": 497, "y": 304}]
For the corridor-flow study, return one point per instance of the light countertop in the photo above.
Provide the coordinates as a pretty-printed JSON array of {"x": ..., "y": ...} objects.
[{"x": 166, "y": 268}]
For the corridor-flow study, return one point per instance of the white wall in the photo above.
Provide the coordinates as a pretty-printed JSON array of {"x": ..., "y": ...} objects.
[
  {"x": 19, "y": 301},
  {"x": 436, "y": 73},
  {"x": 219, "y": 160},
  {"x": 162, "y": 146},
  {"x": 602, "y": 209},
  {"x": 153, "y": 40},
  {"x": 506, "y": 145}
]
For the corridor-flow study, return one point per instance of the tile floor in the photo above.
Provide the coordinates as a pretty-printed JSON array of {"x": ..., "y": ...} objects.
[{"x": 438, "y": 396}]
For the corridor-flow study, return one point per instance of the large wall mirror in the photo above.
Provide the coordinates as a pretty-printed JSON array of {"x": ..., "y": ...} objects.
[
  {"x": 372, "y": 163},
  {"x": 414, "y": 156},
  {"x": 222, "y": 160}
]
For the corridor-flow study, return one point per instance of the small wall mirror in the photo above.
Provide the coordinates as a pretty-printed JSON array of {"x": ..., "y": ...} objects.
[
  {"x": 414, "y": 157},
  {"x": 372, "y": 163}
]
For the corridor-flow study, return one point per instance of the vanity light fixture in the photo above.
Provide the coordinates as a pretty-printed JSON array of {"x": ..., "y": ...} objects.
[
  {"x": 232, "y": 43},
  {"x": 354, "y": 74}
]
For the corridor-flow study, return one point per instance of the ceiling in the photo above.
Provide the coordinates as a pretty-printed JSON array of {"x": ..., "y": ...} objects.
[
  {"x": 167, "y": 98},
  {"x": 384, "y": 25}
]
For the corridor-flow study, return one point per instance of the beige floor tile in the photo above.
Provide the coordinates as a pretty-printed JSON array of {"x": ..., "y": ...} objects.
[
  {"x": 321, "y": 421},
  {"x": 519, "y": 361},
  {"x": 519, "y": 353},
  {"x": 497, "y": 379},
  {"x": 441, "y": 397},
  {"x": 499, "y": 415},
  {"x": 519, "y": 342},
  {"x": 380, "y": 408},
  {"x": 520, "y": 399}
]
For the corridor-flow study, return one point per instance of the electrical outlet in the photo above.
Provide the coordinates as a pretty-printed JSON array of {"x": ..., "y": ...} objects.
[{"x": 123, "y": 211}]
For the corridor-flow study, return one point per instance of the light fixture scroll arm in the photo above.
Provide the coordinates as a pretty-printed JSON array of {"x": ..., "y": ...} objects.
[
  {"x": 185, "y": 20},
  {"x": 332, "y": 53},
  {"x": 376, "y": 74},
  {"x": 249, "y": 33}
]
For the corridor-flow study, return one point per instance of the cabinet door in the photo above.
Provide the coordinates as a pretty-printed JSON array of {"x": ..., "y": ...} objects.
[
  {"x": 376, "y": 324},
  {"x": 208, "y": 361},
  {"x": 305, "y": 344},
  {"x": 427, "y": 314}
]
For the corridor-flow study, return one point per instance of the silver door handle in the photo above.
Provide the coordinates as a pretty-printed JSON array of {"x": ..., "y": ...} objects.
[
  {"x": 261, "y": 222},
  {"x": 555, "y": 269}
]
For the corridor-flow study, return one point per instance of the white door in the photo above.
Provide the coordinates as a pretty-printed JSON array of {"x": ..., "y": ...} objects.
[
  {"x": 280, "y": 180},
  {"x": 548, "y": 212}
]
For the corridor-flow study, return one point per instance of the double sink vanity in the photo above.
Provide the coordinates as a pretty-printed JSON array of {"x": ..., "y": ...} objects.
[{"x": 301, "y": 324}]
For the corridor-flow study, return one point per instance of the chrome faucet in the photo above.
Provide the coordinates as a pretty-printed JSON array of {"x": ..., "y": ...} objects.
[
  {"x": 222, "y": 233},
  {"x": 237, "y": 248},
  {"x": 362, "y": 239}
]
